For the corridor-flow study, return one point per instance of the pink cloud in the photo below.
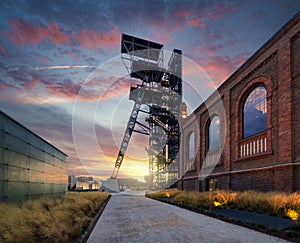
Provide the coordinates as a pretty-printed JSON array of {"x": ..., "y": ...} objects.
[
  {"x": 4, "y": 86},
  {"x": 182, "y": 13},
  {"x": 119, "y": 88},
  {"x": 164, "y": 37},
  {"x": 95, "y": 40},
  {"x": 25, "y": 85},
  {"x": 23, "y": 32},
  {"x": 2, "y": 50},
  {"x": 196, "y": 22},
  {"x": 20, "y": 79},
  {"x": 220, "y": 68},
  {"x": 67, "y": 89},
  {"x": 221, "y": 9},
  {"x": 31, "y": 84},
  {"x": 88, "y": 93}
]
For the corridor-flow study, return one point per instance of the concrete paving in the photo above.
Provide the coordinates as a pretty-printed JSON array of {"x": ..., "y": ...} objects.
[{"x": 131, "y": 217}]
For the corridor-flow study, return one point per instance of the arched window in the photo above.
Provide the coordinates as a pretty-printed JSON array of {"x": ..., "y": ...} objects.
[
  {"x": 255, "y": 112},
  {"x": 191, "y": 143},
  {"x": 214, "y": 134}
]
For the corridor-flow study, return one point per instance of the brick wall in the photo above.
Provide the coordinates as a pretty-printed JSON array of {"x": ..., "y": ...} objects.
[
  {"x": 189, "y": 185},
  {"x": 276, "y": 66},
  {"x": 297, "y": 178},
  {"x": 259, "y": 180},
  {"x": 295, "y": 73}
]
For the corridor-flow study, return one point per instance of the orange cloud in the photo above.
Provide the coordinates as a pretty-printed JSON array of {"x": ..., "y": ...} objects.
[
  {"x": 95, "y": 40},
  {"x": 23, "y": 32}
]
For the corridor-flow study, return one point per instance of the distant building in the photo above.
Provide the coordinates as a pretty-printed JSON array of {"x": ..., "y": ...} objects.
[
  {"x": 84, "y": 178},
  {"x": 131, "y": 183},
  {"x": 29, "y": 165},
  {"x": 71, "y": 181},
  {"x": 250, "y": 138},
  {"x": 87, "y": 185}
]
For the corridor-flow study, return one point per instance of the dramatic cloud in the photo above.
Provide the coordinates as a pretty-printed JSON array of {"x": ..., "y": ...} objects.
[
  {"x": 95, "y": 40},
  {"x": 60, "y": 67},
  {"x": 65, "y": 88},
  {"x": 119, "y": 88},
  {"x": 25, "y": 33},
  {"x": 21, "y": 78},
  {"x": 49, "y": 51},
  {"x": 220, "y": 68}
]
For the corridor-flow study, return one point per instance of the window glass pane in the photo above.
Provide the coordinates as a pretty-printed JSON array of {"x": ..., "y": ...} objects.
[
  {"x": 255, "y": 112},
  {"x": 214, "y": 134},
  {"x": 191, "y": 146}
]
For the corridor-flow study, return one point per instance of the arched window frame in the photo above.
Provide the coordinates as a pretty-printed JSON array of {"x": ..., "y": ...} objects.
[
  {"x": 237, "y": 118},
  {"x": 189, "y": 156},
  {"x": 245, "y": 136},
  {"x": 209, "y": 157},
  {"x": 189, "y": 160},
  {"x": 209, "y": 149}
]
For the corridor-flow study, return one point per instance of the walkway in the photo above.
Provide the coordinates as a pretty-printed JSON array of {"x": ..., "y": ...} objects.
[{"x": 131, "y": 217}]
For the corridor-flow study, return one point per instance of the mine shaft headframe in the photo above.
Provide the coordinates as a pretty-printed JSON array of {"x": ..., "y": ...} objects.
[{"x": 142, "y": 58}]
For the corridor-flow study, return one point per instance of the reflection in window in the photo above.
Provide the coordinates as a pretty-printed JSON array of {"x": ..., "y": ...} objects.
[
  {"x": 214, "y": 134},
  {"x": 191, "y": 154},
  {"x": 255, "y": 112}
]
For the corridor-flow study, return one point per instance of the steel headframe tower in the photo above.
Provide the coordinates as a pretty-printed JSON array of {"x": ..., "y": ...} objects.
[{"x": 160, "y": 96}]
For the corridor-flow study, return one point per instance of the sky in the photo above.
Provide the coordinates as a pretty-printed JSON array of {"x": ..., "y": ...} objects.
[{"x": 62, "y": 77}]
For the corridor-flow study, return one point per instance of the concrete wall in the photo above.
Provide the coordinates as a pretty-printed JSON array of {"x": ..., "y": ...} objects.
[{"x": 29, "y": 166}]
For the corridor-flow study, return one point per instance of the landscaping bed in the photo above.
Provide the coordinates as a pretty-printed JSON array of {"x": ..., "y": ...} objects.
[
  {"x": 50, "y": 220},
  {"x": 275, "y": 213}
]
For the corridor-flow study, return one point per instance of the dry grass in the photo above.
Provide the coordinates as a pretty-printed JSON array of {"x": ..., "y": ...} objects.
[
  {"x": 50, "y": 220},
  {"x": 165, "y": 193},
  {"x": 273, "y": 203}
]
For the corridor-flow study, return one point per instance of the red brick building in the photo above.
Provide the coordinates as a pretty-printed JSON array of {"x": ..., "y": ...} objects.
[{"x": 250, "y": 137}]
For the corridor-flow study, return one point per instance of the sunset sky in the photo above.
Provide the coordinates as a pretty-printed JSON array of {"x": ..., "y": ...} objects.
[{"x": 53, "y": 53}]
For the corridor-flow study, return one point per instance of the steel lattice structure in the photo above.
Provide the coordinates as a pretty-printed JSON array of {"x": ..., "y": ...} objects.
[{"x": 160, "y": 96}]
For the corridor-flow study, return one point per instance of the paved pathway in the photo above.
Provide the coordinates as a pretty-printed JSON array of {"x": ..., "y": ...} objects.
[{"x": 130, "y": 217}]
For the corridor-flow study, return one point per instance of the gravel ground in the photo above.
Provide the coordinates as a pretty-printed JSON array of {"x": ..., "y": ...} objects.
[{"x": 131, "y": 217}]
